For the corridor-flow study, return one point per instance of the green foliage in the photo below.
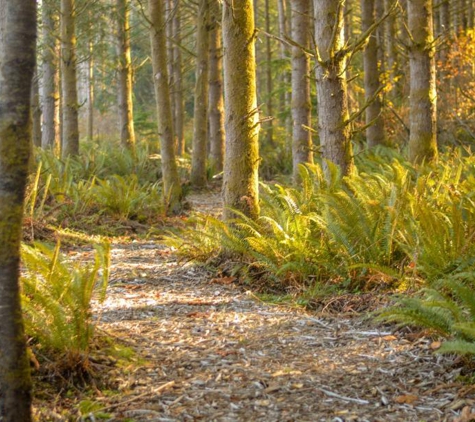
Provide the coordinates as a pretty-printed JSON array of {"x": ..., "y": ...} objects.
[
  {"x": 125, "y": 198},
  {"x": 446, "y": 309},
  {"x": 105, "y": 181},
  {"x": 57, "y": 299},
  {"x": 387, "y": 222}
]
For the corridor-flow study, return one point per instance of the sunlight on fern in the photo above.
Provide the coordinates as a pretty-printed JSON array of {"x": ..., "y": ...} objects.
[{"x": 57, "y": 298}]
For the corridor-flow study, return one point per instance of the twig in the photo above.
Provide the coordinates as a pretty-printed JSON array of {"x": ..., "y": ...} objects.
[
  {"x": 332, "y": 394},
  {"x": 148, "y": 393}
]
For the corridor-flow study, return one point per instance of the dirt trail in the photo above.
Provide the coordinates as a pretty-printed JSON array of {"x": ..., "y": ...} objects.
[{"x": 213, "y": 352}]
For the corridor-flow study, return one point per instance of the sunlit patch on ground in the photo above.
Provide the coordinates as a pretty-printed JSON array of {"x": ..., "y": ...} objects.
[{"x": 212, "y": 352}]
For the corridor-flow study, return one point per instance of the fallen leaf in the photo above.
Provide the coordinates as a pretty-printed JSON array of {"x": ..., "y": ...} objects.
[
  {"x": 198, "y": 315},
  {"x": 406, "y": 399},
  {"x": 389, "y": 338},
  {"x": 223, "y": 280},
  {"x": 466, "y": 415}
]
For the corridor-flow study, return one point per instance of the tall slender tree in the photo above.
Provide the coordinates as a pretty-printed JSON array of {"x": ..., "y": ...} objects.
[
  {"x": 171, "y": 181},
  {"x": 179, "y": 107},
  {"x": 17, "y": 63},
  {"x": 200, "y": 115},
  {"x": 331, "y": 84},
  {"x": 35, "y": 112},
  {"x": 70, "y": 122},
  {"x": 269, "y": 81},
  {"x": 423, "y": 95},
  {"x": 50, "y": 76},
  {"x": 240, "y": 183},
  {"x": 126, "y": 112},
  {"x": 301, "y": 104},
  {"x": 216, "y": 100},
  {"x": 374, "y": 120}
]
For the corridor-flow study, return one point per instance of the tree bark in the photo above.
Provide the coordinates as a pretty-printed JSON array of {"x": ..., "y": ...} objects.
[
  {"x": 332, "y": 96},
  {"x": 200, "y": 115},
  {"x": 17, "y": 63},
  {"x": 423, "y": 96},
  {"x": 35, "y": 112},
  {"x": 50, "y": 137},
  {"x": 179, "y": 107},
  {"x": 375, "y": 131},
  {"x": 285, "y": 78},
  {"x": 269, "y": 82},
  {"x": 240, "y": 184},
  {"x": 126, "y": 108},
  {"x": 90, "y": 93},
  {"x": 391, "y": 50},
  {"x": 216, "y": 100},
  {"x": 171, "y": 180},
  {"x": 70, "y": 124},
  {"x": 301, "y": 103}
]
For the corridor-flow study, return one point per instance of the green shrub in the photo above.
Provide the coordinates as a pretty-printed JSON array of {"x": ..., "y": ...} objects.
[
  {"x": 57, "y": 299},
  {"x": 385, "y": 222},
  {"x": 446, "y": 309}
]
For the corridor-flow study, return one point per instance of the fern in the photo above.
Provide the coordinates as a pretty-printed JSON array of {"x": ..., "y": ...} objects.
[{"x": 57, "y": 297}]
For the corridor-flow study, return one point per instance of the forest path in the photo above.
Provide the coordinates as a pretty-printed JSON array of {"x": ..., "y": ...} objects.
[{"x": 213, "y": 352}]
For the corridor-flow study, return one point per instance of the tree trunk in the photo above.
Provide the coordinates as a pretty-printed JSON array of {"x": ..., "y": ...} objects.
[
  {"x": 17, "y": 63},
  {"x": 179, "y": 107},
  {"x": 301, "y": 104},
  {"x": 269, "y": 83},
  {"x": 391, "y": 50},
  {"x": 126, "y": 108},
  {"x": 70, "y": 124},
  {"x": 90, "y": 92},
  {"x": 285, "y": 76},
  {"x": 169, "y": 13},
  {"x": 35, "y": 112},
  {"x": 470, "y": 14},
  {"x": 50, "y": 79},
  {"x": 216, "y": 100},
  {"x": 240, "y": 184},
  {"x": 171, "y": 180},
  {"x": 423, "y": 97},
  {"x": 374, "y": 120},
  {"x": 331, "y": 85},
  {"x": 200, "y": 119}
]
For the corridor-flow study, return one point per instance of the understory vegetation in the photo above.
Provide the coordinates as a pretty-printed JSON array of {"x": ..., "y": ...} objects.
[
  {"x": 108, "y": 191},
  {"x": 389, "y": 226}
]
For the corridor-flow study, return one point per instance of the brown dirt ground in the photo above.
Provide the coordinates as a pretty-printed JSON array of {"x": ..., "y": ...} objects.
[{"x": 212, "y": 351}]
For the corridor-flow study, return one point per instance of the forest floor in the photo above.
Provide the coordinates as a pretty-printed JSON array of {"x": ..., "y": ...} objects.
[{"x": 206, "y": 349}]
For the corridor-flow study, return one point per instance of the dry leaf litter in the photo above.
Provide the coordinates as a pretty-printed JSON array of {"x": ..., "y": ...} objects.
[{"x": 213, "y": 352}]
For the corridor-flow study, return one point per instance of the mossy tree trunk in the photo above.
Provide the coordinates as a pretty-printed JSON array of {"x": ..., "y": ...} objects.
[
  {"x": 301, "y": 104},
  {"x": 269, "y": 82},
  {"x": 390, "y": 43},
  {"x": 423, "y": 96},
  {"x": 124, "y": 69},
  {"x": 50, "y": 78},
  {"x": 171, "y": 180},
  {"x": 179, "y": 107},
  {"x": 334, "y": 132},
  {"x": 216, "y": 100},
  {"x": 200, "y": 115},
  {"x": 17, "y": 63},
  {"x": 70, "y": 123},
  {"x": 374, "y": 121},
  {"x": 240, "y": 183}
]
